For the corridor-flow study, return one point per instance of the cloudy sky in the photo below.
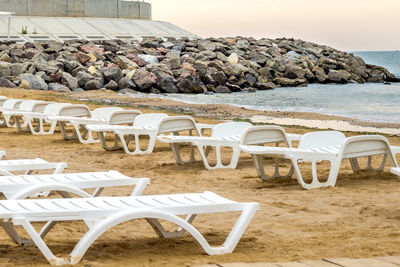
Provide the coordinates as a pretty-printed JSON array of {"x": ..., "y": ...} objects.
[{"x": 350, "y": 25}]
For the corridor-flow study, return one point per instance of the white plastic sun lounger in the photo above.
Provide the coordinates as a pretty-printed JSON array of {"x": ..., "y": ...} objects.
[
  {"x": 39, "y": 117},
  {"x": 9, "y": 104},
  {"x": 99, "y": 116},
  {"x": 352, "y": 148},
  {"x": 103, "y": 213},
  {"x": 228, "y": 134},
  {"x": 8, "y": 167},
  {"x": 23, "y": 186},
  {"x": 12, "y": 117},
  {"x": 2, "y": 100},
  {"x": 150, "y": 125}
]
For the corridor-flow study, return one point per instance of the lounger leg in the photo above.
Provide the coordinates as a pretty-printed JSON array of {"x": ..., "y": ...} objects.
[
  {"x": 219, "y": 165},
  {"x": 18, "y": 125},
  {"x": 42, "y": 131},
  {"x": 331, "y": 181},
  {"x": 82, "y": 134},
  {"x": 140, "y": 186},
  {"x": 65, "y": 134},
  {"x": 51, "y": 258},
  {"x": 356, "y": 167},
  {"x": 162, "y": 233},
  {"x": 229, "y": 245},
  {"x": 177, "y": 154},
  {"x": 257, "y": 159},
  {"x": 102, "y": 137},
  {"x": 14, "y": 236},
  {"x": 138, "y": 151}
]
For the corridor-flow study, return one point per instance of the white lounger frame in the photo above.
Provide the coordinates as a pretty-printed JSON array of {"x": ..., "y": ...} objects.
[
  {"x": 103, "y": 213},
  {"x": 8, "y": 104},
  {"x": 12, "y": 116},
  {"x": 352, "y": 148},
  {"x": 99, "y": 116},
  {"x": 150, "y": 125},
  {"x": 229, "y": 134},
  {"x": 23, "y": 186},
  {"x": 8, "y": 167},
  {"x": 39, "y": 118}
]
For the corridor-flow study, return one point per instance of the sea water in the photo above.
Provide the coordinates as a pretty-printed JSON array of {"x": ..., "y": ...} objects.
[{"x": 367, "y": 102}]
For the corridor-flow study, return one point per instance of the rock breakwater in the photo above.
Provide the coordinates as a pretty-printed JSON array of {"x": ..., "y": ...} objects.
[{"x": 219, "y": 65}]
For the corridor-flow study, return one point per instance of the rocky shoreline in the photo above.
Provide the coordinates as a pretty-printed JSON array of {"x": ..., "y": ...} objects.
[{"x": 214, "y": 65}]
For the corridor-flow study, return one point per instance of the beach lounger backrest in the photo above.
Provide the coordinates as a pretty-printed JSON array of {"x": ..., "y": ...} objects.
[
  {"x": 263, "y": 135},
  {"x": 365, "y": 145},
  {"x": 177, "y": 124},
  {"x": 104, "y": 113},
  {"x": 2, "y": 100},
  {"x": 75, "y": 110},
  {"x": 54, "y": 109},
  {"x": 10, "y": 104},
  {"x": 124, "y": 117},
  {"x": 33, "y": 106},
  {"x": 152, "y": 119},
  {"x": 230, "y": 129},
  {"x": 322, "y": 139}
]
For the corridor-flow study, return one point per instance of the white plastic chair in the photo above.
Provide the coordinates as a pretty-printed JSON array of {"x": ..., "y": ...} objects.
[
  {"x": 103, "y": 213},
  {"x": 352, "y": 148}
]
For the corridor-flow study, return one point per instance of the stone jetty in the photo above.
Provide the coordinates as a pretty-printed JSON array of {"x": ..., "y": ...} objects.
[{"x": 219, "y": 65}]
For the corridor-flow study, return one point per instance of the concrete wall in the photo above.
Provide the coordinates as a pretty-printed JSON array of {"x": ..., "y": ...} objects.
[{"x": 78, "y": 8}]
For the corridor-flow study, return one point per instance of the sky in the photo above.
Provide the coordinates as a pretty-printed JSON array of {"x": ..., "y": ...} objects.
[{"x": 351, "y": 25}]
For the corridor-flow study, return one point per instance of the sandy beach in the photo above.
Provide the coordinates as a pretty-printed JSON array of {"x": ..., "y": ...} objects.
[{"x": 360, "y": 217}]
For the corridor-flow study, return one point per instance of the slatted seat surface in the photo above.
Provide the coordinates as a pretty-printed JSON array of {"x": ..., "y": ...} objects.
[
  {"x": 114, "y": 128},
  {"x": 322, "y": 151},
  {"x": 82, "y": 120},
  {"x": 85, "y": 208},
  {"x": 29, "y": 164},
  {"x": 18, "y": 162},
  {"x": 174, "y": 138},
  {"x": 80, "y": 180}
]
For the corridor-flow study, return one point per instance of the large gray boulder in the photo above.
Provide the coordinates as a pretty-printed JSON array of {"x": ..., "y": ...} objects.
[
  {"x": 69, "y": 81},
  {"x": 144, "y": 79},
  {"x": 191, "y": 84},
  {"x": 339, "y": 76},
  {"x": 6, "y": 83},
  {"x": 5, "y": 69},
  {"x": 34, "y": 81},
  {"x": 294, "y": 72},
  {"x": 83, "y": 77},
  {"x": 112, "y": 73}
]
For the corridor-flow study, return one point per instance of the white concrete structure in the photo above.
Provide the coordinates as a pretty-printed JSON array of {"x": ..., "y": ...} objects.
[
  {"x": 68, "y": 28},
  {"x": 79, "y": 8},
  {"x": 8, "y": 16},
  {"x": 63, "y": 20}
]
